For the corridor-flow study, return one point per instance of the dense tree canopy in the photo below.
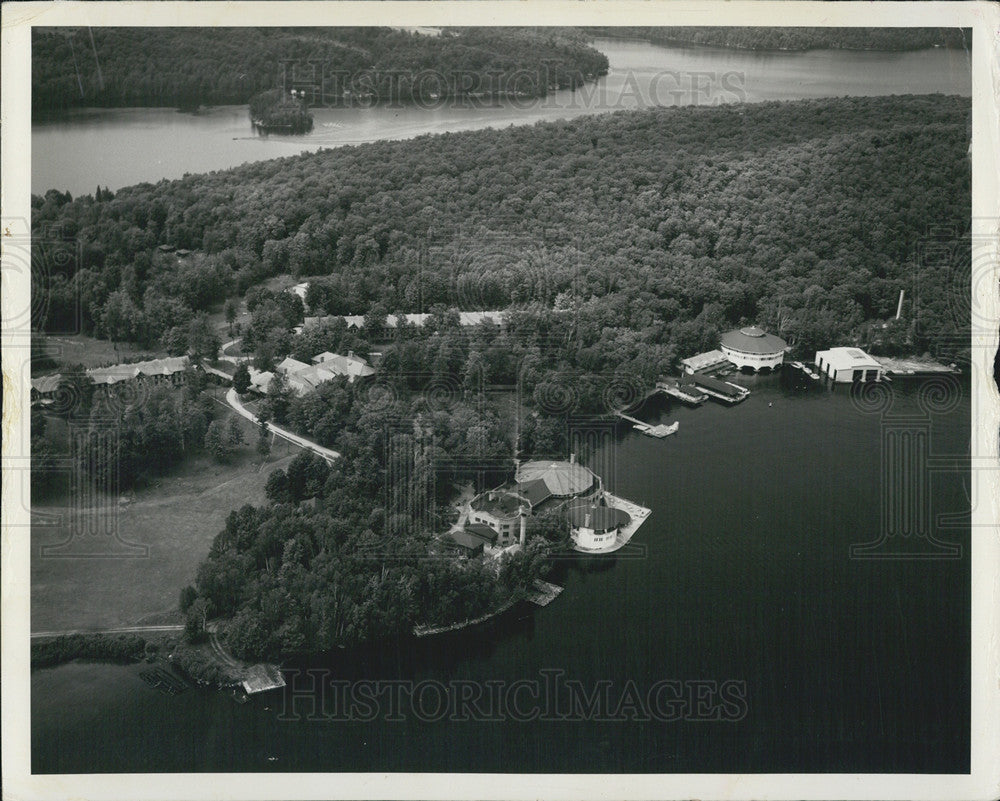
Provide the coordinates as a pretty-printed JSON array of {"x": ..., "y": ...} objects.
[
  {"x": 650, "y": 231},
  {"x": 192, "y": 66},
  {"x": 772, "y": 38}
]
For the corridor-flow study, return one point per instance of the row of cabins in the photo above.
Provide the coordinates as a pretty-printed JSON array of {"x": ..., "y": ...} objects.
[
  {"x": 156, "y": 372},
  {"x": 497, "y": 517},
  {"x": 466, "y": 318},
  {"x": 304, "y": 378}
]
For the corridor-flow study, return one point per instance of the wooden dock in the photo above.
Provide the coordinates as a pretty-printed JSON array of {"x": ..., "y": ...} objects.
[
  {"x": 543, "y": 593},
  {"x": 659, "y": 431}
]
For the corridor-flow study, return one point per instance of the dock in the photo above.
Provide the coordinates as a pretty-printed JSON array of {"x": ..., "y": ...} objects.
[
  {"x": 726, "y": 391},
  {"x": 914, "y": 366},
  {"x": 542, "y": 593},
  {"x": 805, "y": 368},
  {"x": 660, "y": 431},
  {"x": 259, "y": 678},
  {"x": 686, "y": 392}
]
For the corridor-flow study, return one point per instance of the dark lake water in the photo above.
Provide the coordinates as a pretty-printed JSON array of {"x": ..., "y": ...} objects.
[
  {"x": 120, "y": 147},
  {"x": 742, "y": 573}
]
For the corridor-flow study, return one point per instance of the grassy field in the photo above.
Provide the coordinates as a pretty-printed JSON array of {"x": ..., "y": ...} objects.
[
  {"x": 90, "y": 352},
  {"x": 176, "y": 518}
]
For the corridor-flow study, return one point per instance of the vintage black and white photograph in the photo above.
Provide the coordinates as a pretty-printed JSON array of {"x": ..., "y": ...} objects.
[{"x": 415, "y": 393}]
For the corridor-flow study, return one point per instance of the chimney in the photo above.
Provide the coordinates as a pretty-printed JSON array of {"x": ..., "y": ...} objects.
[
  {"x": 586, "y": 521},
  {"x": 350, "y": 354},
  {"x": 572, "y": 458},
  {"x": 524, "y": 518}
]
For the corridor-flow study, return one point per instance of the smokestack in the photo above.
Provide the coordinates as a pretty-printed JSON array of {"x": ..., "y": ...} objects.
[
  {"x": 586, "y": 521},
  {"x": 524, "y": 517},
  {"x": 899, "y": 308}
]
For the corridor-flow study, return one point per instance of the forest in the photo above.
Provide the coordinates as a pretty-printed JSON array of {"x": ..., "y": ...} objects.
[
  {"x": 188, "y": 67},
  {"x": 344, "y": 554},
  {"x": 769, "y": 38},
  {"x": 650, "y": 231}
]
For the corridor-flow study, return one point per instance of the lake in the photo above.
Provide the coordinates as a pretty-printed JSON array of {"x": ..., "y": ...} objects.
[
  {"x": 742, "y": 577},
  {"x": 121, "y": 147}
]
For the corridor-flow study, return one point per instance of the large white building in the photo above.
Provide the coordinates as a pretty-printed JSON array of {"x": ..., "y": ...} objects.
[
  {"x": 753, "y": 347},
  {"x": 846, "y": 365}
]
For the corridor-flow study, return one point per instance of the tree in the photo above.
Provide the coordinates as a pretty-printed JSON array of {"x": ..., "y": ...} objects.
[
  {"x": 188, "y": 595},
  {"x": 230, "y": 311},
  {"x": 263, "y": 439},
  {"x": 217, "y": 443},
  {"x": 278, "y": 397},
  {"x": 196, "y": 621},
  {"x": 122, "y": 320},
  {"x": 203, "y": 341},
  {"x": 276, "y": 488},
  {"x": 234, "y": 434},
  {"x": 241, "y": 378}
]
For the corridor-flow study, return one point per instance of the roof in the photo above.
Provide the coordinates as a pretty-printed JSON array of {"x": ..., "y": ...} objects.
[
  {"x": 290, "y": 365},
  {"x": 500, "y": 503},
  {"x": 392, "y": 320},
  {"x": 481, "y": 531},
  {"x": 46, "y": 384},
  {"x": 464, "y": 540},
  {"x": 350, "y": 365},
  {"x": 703, "y": 360},
  {"x": 123, "y": 372},
  {"x": 561, "y": 478},
  {"x": 596, "y": 516},
  {"x": 848, "y": 359},
  {"x": 752, "y": 340},
  {"x": 534, "y": 492},
  {"x": 714, "y": 384}
]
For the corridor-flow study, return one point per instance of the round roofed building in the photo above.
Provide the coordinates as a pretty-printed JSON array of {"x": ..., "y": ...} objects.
[
  {"x": 753, "y": 348},
  {"x": 558, "y": 480},
  {"x": 594, "y": 526}
]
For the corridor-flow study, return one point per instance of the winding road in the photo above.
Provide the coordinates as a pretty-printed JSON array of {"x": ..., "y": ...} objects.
[{"x": 233, "y": 399}]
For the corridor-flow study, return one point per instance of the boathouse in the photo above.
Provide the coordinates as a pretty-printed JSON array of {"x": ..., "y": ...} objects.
[
  {"x": 753, "y": 348},
  {"x": 703, "y": 362},
  {"x": 847, "y": 365},
  {"x": 721, "y": 390},
  {"x": 594, "y": 526}
]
